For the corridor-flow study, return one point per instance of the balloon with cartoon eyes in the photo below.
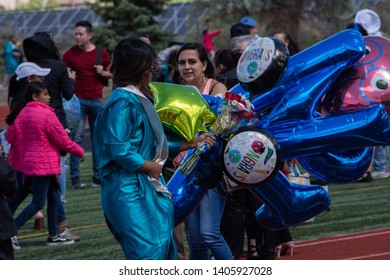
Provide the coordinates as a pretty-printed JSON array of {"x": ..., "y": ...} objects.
[{"x": 367, "y": 82}]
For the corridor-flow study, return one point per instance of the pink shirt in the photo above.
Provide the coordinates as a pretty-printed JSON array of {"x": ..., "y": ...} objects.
[{"x": 208, "y": 39}]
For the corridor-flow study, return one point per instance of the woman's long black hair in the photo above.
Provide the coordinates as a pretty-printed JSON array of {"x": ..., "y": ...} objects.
[
  {"x": 130, "y": 59},
  {"x": 31, "y": 89}
]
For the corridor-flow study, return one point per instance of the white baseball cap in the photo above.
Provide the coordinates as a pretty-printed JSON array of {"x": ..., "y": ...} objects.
[
  {"x": 369, "y": 20},
  {"x": 26, "y": 69}
]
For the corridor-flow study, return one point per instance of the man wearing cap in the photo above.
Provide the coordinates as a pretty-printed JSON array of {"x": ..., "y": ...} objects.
[
  {"x": 250, "y": 23},
  {"x": 26, "y": 72}
]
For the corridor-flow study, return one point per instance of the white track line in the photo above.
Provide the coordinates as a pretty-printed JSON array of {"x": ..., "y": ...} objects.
[
  {"x": 369, "y": 256},
  {"x": 343, "y": 238}
]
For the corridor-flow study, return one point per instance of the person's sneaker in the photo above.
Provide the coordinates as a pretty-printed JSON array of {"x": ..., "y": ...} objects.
[
  {"x": 76, "y": 184},
  {"x": 15, "y": 243},
  {"x": 64, "y": 231},
  {"x": 380, "y": 174},
  {"x": 96, "y": 182},
  {"x": 68, "y": 235},
  {"x": 58, "y": 240}
]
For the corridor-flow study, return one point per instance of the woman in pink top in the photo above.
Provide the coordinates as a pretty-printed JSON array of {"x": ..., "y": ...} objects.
[
  {"x": 205, "y": 235},
  {"x": 36, "y": 137},
  {"x": 196, "y": 69}
]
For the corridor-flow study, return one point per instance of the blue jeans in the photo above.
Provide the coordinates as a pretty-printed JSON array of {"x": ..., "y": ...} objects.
[
  {"x": 62, "y": 180},
  {"x": 88, "y": 108},
  {"x": 22, "y": 194},
  {"x": 204, "y": 228},
  {"x": 41, "y": 190},
  {"x": 380, "y": 162}
]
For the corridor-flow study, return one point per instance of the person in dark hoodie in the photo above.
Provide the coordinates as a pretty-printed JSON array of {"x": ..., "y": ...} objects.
[{"x": 42, "y": 50}]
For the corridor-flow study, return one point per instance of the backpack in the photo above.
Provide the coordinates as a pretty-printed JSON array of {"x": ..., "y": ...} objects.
[{"x": 104, "y": 80}]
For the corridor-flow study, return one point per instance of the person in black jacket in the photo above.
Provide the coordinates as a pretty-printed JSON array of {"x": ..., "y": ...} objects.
[{"x": 8, "y": 188}]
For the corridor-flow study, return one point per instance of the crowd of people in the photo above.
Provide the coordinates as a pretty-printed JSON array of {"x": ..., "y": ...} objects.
[{"x": 133, "y": 157}]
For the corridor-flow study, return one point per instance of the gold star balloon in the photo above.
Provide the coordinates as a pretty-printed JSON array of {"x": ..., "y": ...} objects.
[{"x": 182, "y": 109}]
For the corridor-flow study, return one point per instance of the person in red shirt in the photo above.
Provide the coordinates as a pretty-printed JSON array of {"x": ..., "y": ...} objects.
[
  {"x": 208, "y": 39},
  {"x": 91, "y": 64}
]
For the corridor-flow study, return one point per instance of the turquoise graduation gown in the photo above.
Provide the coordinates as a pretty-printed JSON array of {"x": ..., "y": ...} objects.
[{"x": 140, "y": 218}]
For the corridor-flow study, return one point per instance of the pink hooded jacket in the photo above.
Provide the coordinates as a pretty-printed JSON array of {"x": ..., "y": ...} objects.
[{"x": 37, "y": 136}]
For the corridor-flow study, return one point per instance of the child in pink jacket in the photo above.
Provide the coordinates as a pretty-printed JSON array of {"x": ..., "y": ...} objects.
[{"x": 36, "y": 137}]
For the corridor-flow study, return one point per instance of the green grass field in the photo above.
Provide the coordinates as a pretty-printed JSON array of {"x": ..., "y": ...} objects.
[{"x": 354, "y": 207}]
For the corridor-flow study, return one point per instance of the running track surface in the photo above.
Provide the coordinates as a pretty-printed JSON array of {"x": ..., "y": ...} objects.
[{"x": 368, "y": 245}]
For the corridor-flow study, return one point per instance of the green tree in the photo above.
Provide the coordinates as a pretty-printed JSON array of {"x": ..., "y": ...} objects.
[{"x": 129, "y": 17}]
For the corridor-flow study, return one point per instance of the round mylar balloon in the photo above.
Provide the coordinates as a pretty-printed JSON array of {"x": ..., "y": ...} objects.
[
  {"x": 251, "y": 157},
  {"x": 262, "y": 64},
  {"x": 182, "y": 109}
]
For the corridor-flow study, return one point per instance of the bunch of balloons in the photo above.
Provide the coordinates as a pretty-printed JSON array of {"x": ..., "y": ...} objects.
[{"x": 322, "y": 106}]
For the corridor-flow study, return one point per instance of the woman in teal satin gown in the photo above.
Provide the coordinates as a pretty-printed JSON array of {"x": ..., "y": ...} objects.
[{"x": 130, "y": 147}]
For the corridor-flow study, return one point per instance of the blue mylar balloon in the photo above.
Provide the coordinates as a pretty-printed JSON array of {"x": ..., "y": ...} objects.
[
  {"x": 190, "y": 182},
  {"x": 213, "y": 101},
  {"x": 328, "y": 145},
  {"x": 339, "y": 167},
  {"x": 301, "y": 131},
  {"x": 240, "y": 90},
  {"x": 347, "y": 131},
  {"x": 287, "y": 204}
]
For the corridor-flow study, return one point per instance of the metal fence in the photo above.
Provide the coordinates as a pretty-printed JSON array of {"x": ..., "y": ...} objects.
[{"x": 177, "y": 20}]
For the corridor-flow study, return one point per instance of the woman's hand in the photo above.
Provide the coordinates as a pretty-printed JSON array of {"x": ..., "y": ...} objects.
[
  {"x": 71, "y": 74},
  {"x": 153, "y": 169},
  {"x": 205, "y": 137}
]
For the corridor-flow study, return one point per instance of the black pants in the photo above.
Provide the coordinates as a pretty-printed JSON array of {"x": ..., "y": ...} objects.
[
  {"x": 233, "y": 222},
  {"x": 238, "y": 217},
  {"x": 265, "y": 243}
]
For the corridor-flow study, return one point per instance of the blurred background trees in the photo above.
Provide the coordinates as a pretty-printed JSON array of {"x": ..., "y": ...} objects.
[{"x": 307, "y": 21}]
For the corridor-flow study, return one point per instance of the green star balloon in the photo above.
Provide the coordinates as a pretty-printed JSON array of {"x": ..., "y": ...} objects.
[{"x": 182, "y": 109}]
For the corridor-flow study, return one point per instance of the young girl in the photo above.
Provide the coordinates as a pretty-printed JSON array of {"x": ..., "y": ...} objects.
[{"x": 37, "y": 136}]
